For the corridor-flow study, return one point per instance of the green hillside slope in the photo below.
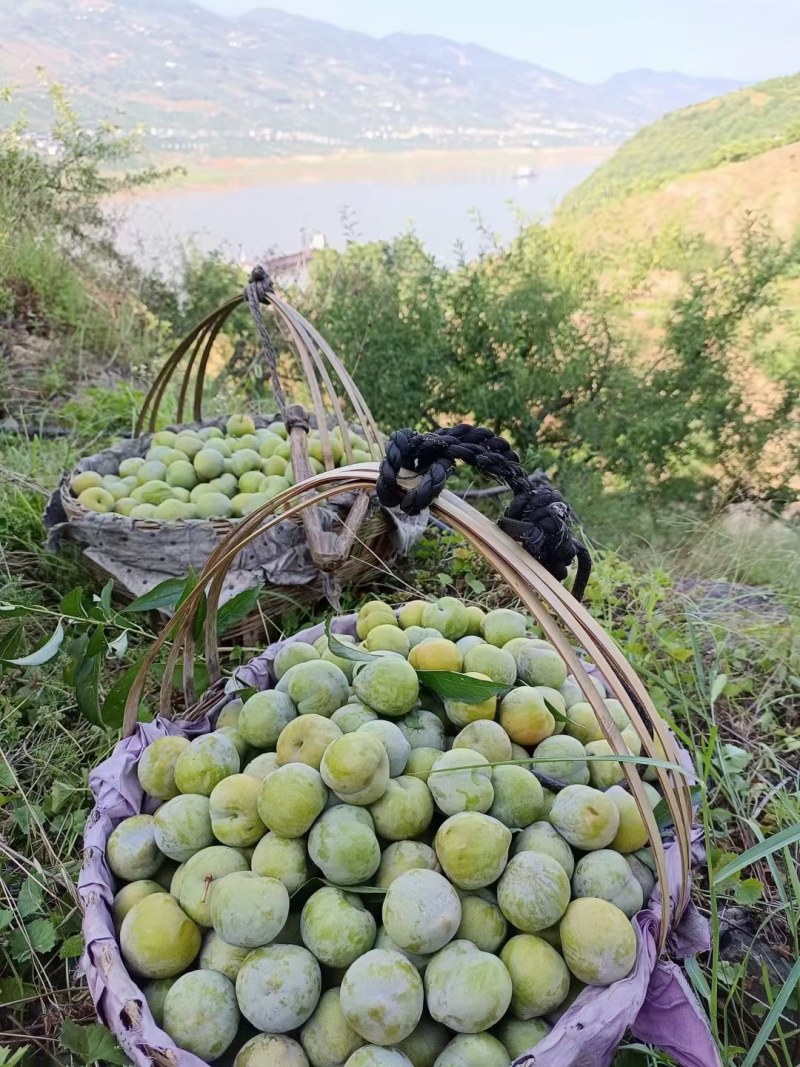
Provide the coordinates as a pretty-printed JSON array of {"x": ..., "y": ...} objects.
[{"x": 726, "y": 129}]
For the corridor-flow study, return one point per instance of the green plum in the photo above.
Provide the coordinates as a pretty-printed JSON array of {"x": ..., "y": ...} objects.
[
  {"x": 158, "y": 940},
  {"x": 132, "y": 850},
  {"x": 285, "y": 858},
  {"x": 207, "y": 760},
  {"x": 466, "y": 989},
  {"x": 200, "y": 875},
  {"x": 201, "y": 1014},
  {"x": 336, "y": 927},
  {"x": 315, "y": 687},
  {"x": 278, "y": 987},
  {"x": 327, "y": 1038},
  {"x": 248, "y": 910},
  {"x": 421, "y": 911},
  {"x": 382, "y": 997},
  {"x": 264, "y": 716},
  {"x": 472, "y": 849},
  {"x": 291, "y": 798}
]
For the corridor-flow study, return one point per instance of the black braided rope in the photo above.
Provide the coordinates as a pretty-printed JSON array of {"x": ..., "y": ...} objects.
[
  {"x": 538, "y": 517},
  {"x": 256, "y": 293}
]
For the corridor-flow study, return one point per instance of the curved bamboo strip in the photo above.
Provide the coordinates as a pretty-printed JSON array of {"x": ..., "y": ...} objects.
[
  {"x": 554, "y": 610},
  {"x": 323, "y": 371}
]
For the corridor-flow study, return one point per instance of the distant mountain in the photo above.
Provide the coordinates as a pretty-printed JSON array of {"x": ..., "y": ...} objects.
[
  {"x": 270, "y": 82},
  {"x": 727, "y": 129}
]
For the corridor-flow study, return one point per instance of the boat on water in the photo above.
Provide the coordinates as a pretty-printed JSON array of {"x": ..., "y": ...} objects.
[{"x": 522, "y": 173}]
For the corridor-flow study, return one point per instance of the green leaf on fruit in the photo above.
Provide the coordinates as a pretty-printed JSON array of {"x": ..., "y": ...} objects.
[
  {"x": 644, "y": 761},
  {"x": 317, "y": 882},
  {"x": 364, "y": 889},
  {"x": 454, "y": 686},
  {"x": 645, "y": 856},
  {"x": 557, "y": 715},
  {"x": 345, "y": 651}
]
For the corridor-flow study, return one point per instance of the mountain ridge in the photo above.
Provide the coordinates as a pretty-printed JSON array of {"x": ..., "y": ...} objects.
[{"x": 270, "y": 82}]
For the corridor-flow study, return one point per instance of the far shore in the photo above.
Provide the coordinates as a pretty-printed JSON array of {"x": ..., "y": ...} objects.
[{"x": 222, "y": 174}]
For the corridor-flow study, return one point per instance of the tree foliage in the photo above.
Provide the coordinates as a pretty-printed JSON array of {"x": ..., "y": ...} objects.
[
  {"x": 528, "y": 341},
  {"x": 382, "y": 306},
  {"x": 59, "y": 265}
]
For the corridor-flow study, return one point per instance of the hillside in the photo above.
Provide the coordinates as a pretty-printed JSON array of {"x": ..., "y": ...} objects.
[
  {"x": 712, "y": 202},
  {"x": 713, "y": 178},
  {"x": 270, "y": 82},
  {"x": 728, "y": 129}
]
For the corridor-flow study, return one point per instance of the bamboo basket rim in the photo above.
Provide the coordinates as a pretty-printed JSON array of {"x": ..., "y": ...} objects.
[
  {"x": 376, "y": 542},
  {"x": 549, "y": 603},
  {"x": 75, "y": 511}
]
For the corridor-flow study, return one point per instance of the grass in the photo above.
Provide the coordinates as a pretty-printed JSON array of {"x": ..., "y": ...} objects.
[{"x": 724, "y": 680}]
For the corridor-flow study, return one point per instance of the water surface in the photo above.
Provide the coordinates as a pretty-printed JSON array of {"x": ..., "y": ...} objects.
[{"x": 453, "y": 213}]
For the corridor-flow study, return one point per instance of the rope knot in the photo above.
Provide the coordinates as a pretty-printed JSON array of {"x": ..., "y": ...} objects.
[
  {"x": 260, "y": 283},
  {"x": 541, "y": 521},
  {"x": 416, "y": 467},
  {"x": 297, "y": 416}
]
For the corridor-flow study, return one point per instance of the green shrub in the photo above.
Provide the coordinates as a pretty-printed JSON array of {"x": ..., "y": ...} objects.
[
  {"x": 529, "y": 342},
  {"x": 60, "y": 273}
]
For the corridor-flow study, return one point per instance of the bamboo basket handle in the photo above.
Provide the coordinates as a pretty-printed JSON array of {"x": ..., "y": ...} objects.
[
  {"x": 551, "y": 606},
  {"x": 535, "y": 587},
  {"x": 323, "y": 371}
]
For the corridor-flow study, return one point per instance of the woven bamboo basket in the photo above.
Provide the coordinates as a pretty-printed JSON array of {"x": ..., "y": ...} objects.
[
  {"x": 562, "y": 620},
  {"x": 344, "y": 543}
]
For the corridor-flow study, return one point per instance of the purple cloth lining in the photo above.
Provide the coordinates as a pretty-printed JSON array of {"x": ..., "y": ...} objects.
[{"x": 655, "y": 1001}]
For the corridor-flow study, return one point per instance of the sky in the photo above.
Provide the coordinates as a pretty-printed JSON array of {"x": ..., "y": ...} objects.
[{"x": 748, "y": 40}]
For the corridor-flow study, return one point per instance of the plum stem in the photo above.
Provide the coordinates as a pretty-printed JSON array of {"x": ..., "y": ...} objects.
[{"x": 209, "y": 878}]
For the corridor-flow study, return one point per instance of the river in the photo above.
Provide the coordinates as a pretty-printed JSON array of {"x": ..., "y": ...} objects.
[{"x": 453, "y": 210}]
